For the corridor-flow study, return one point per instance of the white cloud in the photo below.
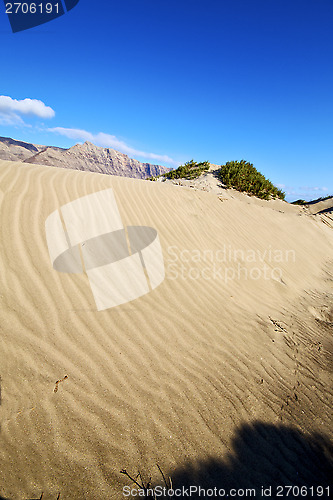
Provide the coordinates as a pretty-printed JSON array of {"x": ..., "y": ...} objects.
[
  {"x": 305, "y": 192},
  {"x": 313, "y": 188},
  {"x": 73, "y": 133},
  {"x": 11, "y": 109},
  {"x": 109, "y": 141},
  {"x": 12, "y": 119}
]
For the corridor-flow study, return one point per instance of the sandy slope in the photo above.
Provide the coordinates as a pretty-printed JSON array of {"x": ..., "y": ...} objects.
[
  {"x": 323, "y": 206},
  {"x": 223, "y": 377}
]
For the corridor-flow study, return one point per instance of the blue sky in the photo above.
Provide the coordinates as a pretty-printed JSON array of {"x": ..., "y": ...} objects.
[{"x": 166, "y": 81}]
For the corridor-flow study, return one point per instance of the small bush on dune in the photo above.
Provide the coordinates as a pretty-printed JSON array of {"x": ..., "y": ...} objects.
[
  {"x": 244, "y": 177},
  {"x": 299, "y": 202},
  {"x": 190, "y": 170}
]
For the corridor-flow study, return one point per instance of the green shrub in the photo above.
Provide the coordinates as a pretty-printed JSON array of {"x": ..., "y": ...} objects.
[
  {"x": 299, "y": 202},
  {"x": 190, "y": 170},
  {"x": 244, "y": 177}
]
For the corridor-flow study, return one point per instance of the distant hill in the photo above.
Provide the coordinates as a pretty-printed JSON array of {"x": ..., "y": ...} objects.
[{"x": 87, "y": 157}]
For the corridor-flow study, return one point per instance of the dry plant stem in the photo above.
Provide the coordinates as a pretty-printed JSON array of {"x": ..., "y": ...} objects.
[
  {"x": 146, "y": 487},
  {"x": 58, "y": 382}
]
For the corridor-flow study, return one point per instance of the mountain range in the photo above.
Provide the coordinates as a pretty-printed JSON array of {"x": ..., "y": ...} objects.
[{"x": 87, "y": 157}]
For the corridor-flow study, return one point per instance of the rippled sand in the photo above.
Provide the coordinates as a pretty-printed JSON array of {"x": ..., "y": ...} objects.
[{"x": 219, "y": 381}]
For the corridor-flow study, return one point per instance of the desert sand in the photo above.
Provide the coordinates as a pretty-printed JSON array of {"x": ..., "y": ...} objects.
[{"x": 222, "y": 375}]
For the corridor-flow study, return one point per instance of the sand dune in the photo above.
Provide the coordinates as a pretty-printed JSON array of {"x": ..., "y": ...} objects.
[
  {"x": 221, "y": 375},
  {"x": 320, "y": 206}
]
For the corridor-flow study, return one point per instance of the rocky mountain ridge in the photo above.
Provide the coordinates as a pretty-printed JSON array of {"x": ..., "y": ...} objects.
[{"x": 87, "y": 157}]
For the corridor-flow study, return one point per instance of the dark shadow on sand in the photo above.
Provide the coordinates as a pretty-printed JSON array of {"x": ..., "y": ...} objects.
[
  {"x": 325, "y": 211},
  {"x": 264, "y": 455}
]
